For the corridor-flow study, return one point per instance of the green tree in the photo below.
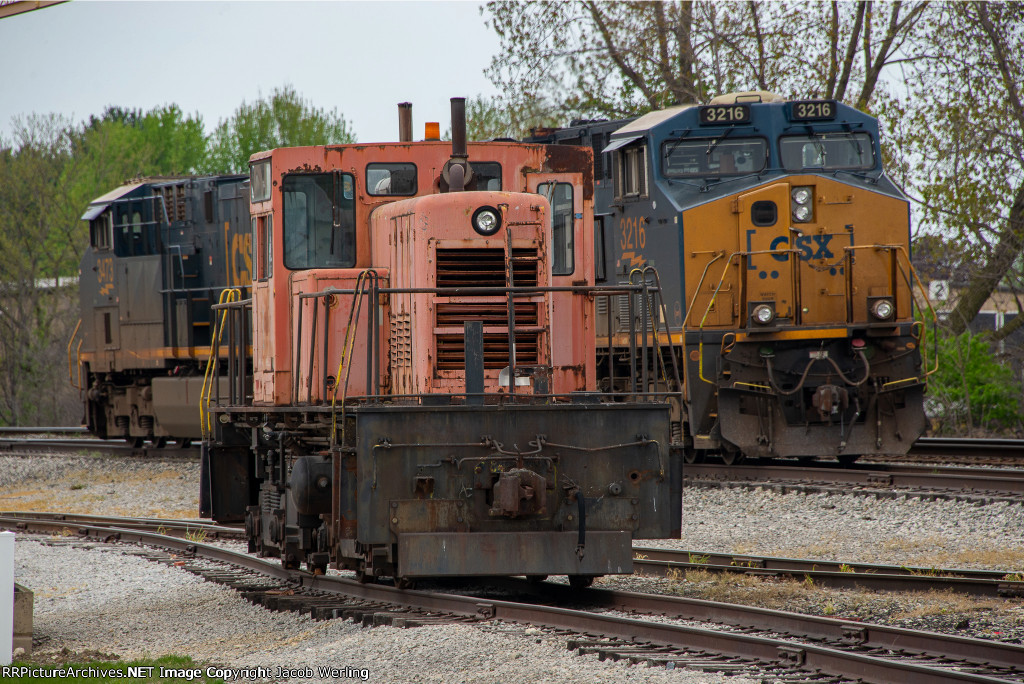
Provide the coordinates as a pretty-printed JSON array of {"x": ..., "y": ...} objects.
[
  {"x": 282, "y": 120},
  {"x": 487, "y": 118},
  {"x": 973, "y": 391},
  {"x": 37, "y": 248},
  {"x": 617, "y": 59},
  {"x": 960, "y": 129}
]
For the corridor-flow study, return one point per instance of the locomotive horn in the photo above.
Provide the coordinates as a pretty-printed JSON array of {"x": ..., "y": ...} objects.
[{"x": 405, "y": 122}]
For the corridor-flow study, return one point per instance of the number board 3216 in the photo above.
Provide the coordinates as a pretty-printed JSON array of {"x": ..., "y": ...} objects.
[
  {"x": 724, "y": 114},
  {"x": 812, "y": 110}
]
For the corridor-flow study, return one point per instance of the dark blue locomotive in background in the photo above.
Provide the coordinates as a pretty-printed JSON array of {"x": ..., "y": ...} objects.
[
  {"x": 161, "y": 252},
  {"x": 782, "y": 250}
]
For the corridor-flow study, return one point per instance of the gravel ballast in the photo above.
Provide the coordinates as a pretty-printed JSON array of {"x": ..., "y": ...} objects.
[{"x": 96, "y": 597}]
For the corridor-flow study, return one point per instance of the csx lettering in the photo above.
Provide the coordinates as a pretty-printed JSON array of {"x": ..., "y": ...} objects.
[{"x": 809, "y": 246}]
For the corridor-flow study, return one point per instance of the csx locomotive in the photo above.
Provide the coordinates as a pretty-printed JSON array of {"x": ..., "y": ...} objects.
[
  {"x": 782, "y": 251},
  {"x": 161, "y": 251},
  {"x": 423, "y": 397}
]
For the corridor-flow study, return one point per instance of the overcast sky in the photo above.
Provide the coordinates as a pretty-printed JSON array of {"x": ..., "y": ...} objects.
[{"x": 360, "y": 57}]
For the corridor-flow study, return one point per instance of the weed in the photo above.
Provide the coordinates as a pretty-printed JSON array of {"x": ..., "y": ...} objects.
[
  {"x": 197, "y": 536},
  {"x": 76, "y": 486},
  {"x": 162, "y": 530},
  {"x": 830, "y": 607},
  {"x": 808, "y": 582},
  {"x": 698, "y": 559},
  {"x": 843, "y": 567},
  {"x": 1014, "y": 577}
]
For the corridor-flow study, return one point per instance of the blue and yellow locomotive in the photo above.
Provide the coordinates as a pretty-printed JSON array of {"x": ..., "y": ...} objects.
[{"x": 782, "y": 250}]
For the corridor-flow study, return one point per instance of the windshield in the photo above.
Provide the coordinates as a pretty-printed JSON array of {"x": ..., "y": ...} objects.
[
  {"x": 319, "y": 221},
  {"x": 827, "y": 151},
  {"x": 714, "y": 157}
]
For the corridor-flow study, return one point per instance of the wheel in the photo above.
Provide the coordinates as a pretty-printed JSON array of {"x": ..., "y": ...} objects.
[
  {"x": 580, "y": 581},
  {"x": 135, "y": 442},
  {"x": 847, "y": 459},
  {"x": 694, "y": 456},
  {"x": 184, "y": 442},
  {"x": 160, "y": 442},
  {"x": 364, "y": 577},
  {"x": 404, "y": 583},
  {"x": 733, "y": 457}
]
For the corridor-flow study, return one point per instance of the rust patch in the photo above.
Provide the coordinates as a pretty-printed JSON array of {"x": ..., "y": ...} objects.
[{"x": 573, "y": 159}]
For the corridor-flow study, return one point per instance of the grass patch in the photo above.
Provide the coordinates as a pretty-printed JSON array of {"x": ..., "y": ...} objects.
[
  {"x": 160, "y": 669},
  {"x": 949, "y": 602}
]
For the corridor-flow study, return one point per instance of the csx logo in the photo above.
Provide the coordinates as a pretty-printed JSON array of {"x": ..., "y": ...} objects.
[{"x": 808, "y": 247}]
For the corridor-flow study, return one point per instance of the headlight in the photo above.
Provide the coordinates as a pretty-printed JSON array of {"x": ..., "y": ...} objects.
[
  {"x": 486, "y": 220},
  {"x": 883, "y": 309},
  {"x": 763, "y": 314},
  {"x": 802, "y": 205},
  {"x": 802, "y": 195}
]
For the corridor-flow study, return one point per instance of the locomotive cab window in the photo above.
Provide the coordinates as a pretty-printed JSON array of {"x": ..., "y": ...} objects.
[
  {"x": 561, "y": 197},
  {"x": 711, "y": 157},
  {"x": 827, "y": 151},
  {"x": 391, "y": 179},
  {"x": 487, "y": 175},
  {"x": 100, "y": 231},
  {"x": 630, "y": 167},
  {"x": 319, "y": 221}
]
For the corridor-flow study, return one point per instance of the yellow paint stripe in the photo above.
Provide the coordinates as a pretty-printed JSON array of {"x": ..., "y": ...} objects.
[{"x": 792, "y": 335}]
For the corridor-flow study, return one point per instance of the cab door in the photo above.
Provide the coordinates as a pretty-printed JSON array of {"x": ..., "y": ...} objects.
[{"x": 570, "y": 249}]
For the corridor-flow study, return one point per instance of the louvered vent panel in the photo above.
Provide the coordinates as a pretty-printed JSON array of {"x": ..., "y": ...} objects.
[
  {"x": 469, "y": 268},
  {"x": 485, "y": 267}
]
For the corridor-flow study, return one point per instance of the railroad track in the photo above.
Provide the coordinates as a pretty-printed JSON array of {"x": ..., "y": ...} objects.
[
  {"x": 767, "y": 643},
  {"x": 882, "y": 480},
  {"x": 672, "y": 563},
  {"x": 35, "y": 445}
]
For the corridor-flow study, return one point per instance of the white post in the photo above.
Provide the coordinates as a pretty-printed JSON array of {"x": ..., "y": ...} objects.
[{"x": 6, "y": 597}]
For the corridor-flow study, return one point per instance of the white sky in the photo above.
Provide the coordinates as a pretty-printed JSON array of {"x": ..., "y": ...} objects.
[{"x": 207, "y": 57}]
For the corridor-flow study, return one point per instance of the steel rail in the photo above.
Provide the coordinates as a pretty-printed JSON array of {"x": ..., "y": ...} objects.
[
  {"x": 967, "y": 480},
  {"x": 804, "y": 656},
  {"x": 666, "y": 562},
  {"x": 862, "y": 634},
  {"x": 176, "y": 527}
]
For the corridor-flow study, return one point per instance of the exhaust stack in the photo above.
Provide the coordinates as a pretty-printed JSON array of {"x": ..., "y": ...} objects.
[
  {"x": 405, "y": 122},
  {"x": 457, "y": 170}
]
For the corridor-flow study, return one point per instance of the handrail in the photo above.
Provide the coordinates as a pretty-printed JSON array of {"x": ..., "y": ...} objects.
[
  {"x": 78, "y": 358},
  {"x": 227, "y": 296}
]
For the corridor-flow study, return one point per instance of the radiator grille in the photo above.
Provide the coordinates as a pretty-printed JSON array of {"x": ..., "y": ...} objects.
[
  {"x": 451, "y": 351},
  {"x": 486, "y": 268}
]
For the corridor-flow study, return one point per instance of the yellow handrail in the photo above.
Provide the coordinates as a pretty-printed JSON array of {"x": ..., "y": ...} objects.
[
  {"x": 78, "y": 358},
  {"x": 227, "y": 295}
]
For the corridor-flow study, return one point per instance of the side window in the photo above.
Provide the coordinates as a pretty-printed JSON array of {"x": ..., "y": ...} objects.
[
  {"x": 263, "y": 245},
  {"x": 561, "y": 197},
  {"x": 488, "y": 175},
  {"x": 391, "y": 179},
  {"x": 631, "y": 171},
  {"x": 600, "y": 274},
  {"x": 319, "y": 221},
  {"x": 100, "y": 230}
]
